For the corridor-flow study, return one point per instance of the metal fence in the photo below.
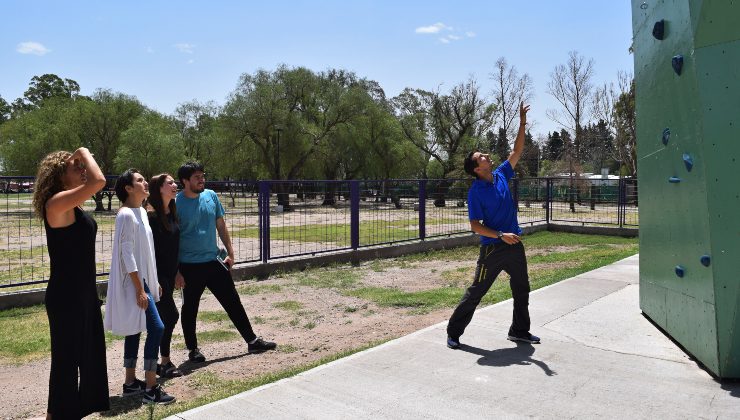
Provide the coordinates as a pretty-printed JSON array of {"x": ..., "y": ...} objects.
[{"x": 270, "y": 220}]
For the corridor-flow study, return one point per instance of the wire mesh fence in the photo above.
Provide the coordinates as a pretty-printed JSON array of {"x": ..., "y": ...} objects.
[{"x": 270, "y": 220}]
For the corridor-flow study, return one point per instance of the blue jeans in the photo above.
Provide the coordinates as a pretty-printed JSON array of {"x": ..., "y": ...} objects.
[{"x": 154, "y": 331}]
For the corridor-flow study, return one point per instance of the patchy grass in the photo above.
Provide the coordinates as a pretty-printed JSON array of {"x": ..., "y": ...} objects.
[
  {"x": 24, "y": 335},
  {"x": 596, "y": 251},
  {"x": 371, "y": 231},
  {"x": 288, "y": 305},
  {"x": 330, "y": 277},
  {"x": 213, "y": 316},
  {"x": 256, "y": 289},
  {"x": 213, "y": 336}
]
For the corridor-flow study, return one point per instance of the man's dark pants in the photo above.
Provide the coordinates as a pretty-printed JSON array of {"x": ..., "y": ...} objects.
[
  {"x": 218, "y": 280},
  {"x": 492, "y": 260}
]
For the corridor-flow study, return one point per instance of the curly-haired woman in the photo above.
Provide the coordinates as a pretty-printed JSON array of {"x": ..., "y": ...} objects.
[{"x": 78, "y": 381}]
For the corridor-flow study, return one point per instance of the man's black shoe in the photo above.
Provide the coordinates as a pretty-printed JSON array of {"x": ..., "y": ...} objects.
[
  {"x": 529, "y": 338},
  {"x": 453, "y": 343},
  {"x": 196, "y": 356},
  {"x": 259, "y": 345}
]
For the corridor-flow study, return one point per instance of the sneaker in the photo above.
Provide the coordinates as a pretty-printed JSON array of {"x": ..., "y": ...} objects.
[
  {"x": 529, "y": 338},
  {"x": 260, "y": 345},
  {"x": 196, "y": 356},
  {"x": 156, "y": 395},
  {"x": 453, "y": 343},
  {"x": 135, "y": 388},
  {"x": 168, "y": 370}
]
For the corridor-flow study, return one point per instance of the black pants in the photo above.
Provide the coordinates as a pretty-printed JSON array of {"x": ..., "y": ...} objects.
[
  {"x": 168, "y": 313},
  {"x": 218, "y": 280},
  {"x": 492, "y": 260}
]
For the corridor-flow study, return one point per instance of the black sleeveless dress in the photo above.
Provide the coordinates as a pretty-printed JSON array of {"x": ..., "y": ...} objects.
[{"x": 75, "y": 322}]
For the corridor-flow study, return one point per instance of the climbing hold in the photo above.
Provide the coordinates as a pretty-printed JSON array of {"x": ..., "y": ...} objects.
[
  {"x": 666, "y": 136},
  {"x": 688, "y": 161},
  {"x": 643, "y": 6},
  {"x": 677, "y": 63},
  {"x": 705, "y": 260},
  {"x": 659, "y": 29},
  {"x": 674, "y": 180},
  {"x": 680, "y": 271}
]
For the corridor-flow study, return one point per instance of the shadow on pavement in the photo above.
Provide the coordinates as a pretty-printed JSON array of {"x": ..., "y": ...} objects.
[{"x": 519, "y": 355}]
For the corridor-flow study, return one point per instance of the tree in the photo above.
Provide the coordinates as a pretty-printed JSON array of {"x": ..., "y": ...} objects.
[
  {"x": 44, "y": 87},
  {"x": 151, "y": 144},
  {"x": 293, "y": 109},
  {"x": 509, "y": 91},
  {"x": 529, "y": 161},
  {"x": 197, "y": 127},
  {"x": 570, "y": 84},
  {"x": 501, "y": 145},
  {"x": 28, "y": 137},
  {"x": 5, "y": 110},
  {"x": 597, "y": 146},
  {"x": 445, "y": 126},
  {"x": 616, "y": 106},
  {"x": 554, "y": 147},
  {"x": 103, "y": 119}
]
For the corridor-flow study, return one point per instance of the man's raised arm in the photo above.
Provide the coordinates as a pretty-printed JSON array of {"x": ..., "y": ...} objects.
[{"x": 519, "y": 142}]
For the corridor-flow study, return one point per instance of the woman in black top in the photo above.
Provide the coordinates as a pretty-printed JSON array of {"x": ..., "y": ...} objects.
[
  {"x": 164, "y": 224},
  {"x": 78, "y": 380}
]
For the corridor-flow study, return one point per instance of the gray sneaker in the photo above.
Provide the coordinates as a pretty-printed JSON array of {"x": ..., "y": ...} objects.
[{"x": 156, "y": 395}]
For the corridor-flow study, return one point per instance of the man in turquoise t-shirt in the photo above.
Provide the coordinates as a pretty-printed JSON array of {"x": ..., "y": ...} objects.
[
  {"x": 492, "y": 214},
  {"x": 201, "y": 217}
]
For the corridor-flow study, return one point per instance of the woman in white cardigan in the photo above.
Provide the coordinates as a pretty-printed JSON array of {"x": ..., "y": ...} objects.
[{"x": 133, "y": 288}]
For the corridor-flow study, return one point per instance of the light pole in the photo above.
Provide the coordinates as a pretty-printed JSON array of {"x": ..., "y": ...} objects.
[{"x": 277, "y": 162}]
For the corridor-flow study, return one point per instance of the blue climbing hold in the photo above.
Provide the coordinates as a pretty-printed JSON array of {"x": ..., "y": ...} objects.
[
  {"x": 705, "y": 260},
  {"x": 674, "y": 180},
  {"x": 677, "y": 63},
  {"x": 680, "y": 271},
  {"x": 659, "y": 29},
  {"x": 666, "y": 136},
  {"x": 688, "y": 161}
]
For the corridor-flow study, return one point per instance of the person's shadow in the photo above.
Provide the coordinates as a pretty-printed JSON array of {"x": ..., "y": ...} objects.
[
  {"x": 730, "y": 385},
  {"x": 519, "y": 355}
]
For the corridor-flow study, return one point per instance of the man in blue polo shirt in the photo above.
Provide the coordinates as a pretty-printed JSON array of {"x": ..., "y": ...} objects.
[
  {"x": 201, "y": 217},
  {"x": 492, "y": 215}
]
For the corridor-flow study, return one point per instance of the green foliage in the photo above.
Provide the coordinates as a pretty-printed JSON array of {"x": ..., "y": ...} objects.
[{"x": 150, "y": 144}]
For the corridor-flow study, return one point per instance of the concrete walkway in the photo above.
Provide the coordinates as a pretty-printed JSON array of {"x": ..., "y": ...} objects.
[{"x": 599, "y": 357}]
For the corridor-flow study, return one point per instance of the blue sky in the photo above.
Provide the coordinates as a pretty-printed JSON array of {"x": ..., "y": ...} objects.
[{"x": 169, "y": 52}]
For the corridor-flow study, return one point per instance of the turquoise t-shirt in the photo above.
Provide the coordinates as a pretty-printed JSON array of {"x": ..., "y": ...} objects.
[{"x": 198, "y": 226}]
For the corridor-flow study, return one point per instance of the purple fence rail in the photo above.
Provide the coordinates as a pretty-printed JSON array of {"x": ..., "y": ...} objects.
[{"x": 271, "y": 220}]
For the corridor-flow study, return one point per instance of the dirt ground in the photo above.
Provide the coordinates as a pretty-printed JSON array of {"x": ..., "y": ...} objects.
[{"x": 307, "y": 322}]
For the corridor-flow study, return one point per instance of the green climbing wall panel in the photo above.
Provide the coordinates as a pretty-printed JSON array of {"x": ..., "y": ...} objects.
[{"x": 698, "y": 214}]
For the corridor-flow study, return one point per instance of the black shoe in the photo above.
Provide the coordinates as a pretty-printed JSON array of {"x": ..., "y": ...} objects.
[
  {"x": 168, "y": 370},
  {"x": 156, "y": 395},
  {"x": 453, "y": 343},
  {"x": 528, "y": 338},
  {"x": 135, "y": 388},
  {"x": 261, "y": 345},
  {"x": 196, "y": 356}
]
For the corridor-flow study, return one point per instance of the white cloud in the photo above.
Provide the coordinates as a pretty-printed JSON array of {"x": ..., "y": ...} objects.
[
  {"x": 150, "y": 50},
  {"x": 445, "y": 40},
  {"x": 191, "y": 61},
  {"x": 454, "y": 37},
  {"x": 470, "y": 34},
  {"x": 433, "y": 29},
  {"x": 185, "y": 48},
  {"x": 30, "y": 47}
]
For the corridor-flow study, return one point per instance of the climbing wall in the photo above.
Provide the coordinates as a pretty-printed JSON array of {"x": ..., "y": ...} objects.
[{"x": 687, "y": 84}]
